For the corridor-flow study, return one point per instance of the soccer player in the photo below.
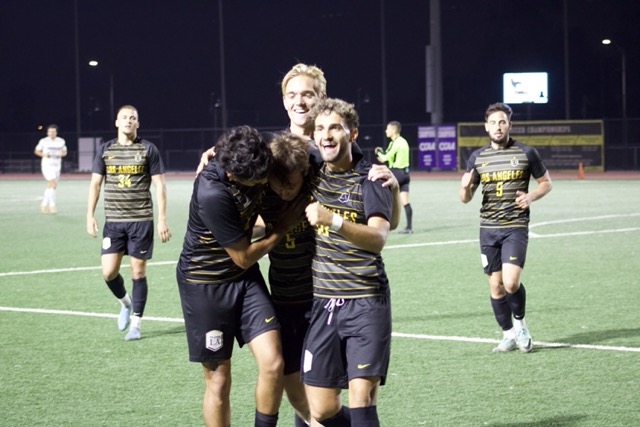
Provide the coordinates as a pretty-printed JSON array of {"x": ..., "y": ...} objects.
[
  {"x": 504, "y": 168},
  {"x": 128, "y": 165},
  {"x": 302, "y": 87},
  {"x": 349, "y": 337},
  {"x": 290, "y": 260},
  {"x": 51, "y": 149},
  {"x": 223, "y": 293},
  {"x": 398, "y": 155}
]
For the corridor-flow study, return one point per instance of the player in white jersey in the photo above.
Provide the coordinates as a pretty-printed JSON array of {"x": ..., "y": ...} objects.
[{"x": 51, "y": 149}]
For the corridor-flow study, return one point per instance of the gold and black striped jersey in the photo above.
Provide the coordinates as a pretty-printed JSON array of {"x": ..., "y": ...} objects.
[
  {"x": 128, "y": 170},
  {"x": 340, "y": 268},
  {"x": 221, "y": 213},
  {"x": 290, "y": 260},
  {"x": 502, "y": 173}
]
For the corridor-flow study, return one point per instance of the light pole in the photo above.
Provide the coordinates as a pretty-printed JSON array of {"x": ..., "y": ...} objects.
[
  {"x": 624, "y": 75},
  {"x": 94, "y": 63}
]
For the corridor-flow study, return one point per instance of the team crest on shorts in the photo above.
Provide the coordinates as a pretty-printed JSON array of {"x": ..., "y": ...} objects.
[
  {"x": 214, "y": 340},
  {"x": 106, "y": 243}
]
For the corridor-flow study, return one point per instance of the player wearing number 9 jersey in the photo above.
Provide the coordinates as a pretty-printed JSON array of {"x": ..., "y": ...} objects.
[{"x": 504, "y": 168}]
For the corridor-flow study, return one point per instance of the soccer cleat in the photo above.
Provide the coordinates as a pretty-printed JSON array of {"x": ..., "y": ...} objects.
[
  {"x": 123, "y": 318},
  {"x": 506, "y": 345},
  {"x": 523, "y": 340},
  {"x": 52, "y": 210},
  {"x": 43, "y": 209},
  {"x": 133, "y": 334},
  {"x": 406, "y": 231}
]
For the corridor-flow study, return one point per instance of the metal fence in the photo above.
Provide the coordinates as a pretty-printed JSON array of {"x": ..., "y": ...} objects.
[{"x": 181, "y": 148}]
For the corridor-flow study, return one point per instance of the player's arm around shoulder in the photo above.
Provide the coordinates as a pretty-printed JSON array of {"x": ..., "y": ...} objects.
[
  {"x": 383, "y": 173},
  {"x": 205, "y": 158}
]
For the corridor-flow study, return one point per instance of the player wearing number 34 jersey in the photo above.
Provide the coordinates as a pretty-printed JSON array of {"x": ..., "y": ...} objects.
[{"x": 128, "y": 165}]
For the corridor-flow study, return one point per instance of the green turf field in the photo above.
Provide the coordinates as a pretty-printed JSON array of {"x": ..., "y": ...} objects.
[{"x": 64, "y": 363}]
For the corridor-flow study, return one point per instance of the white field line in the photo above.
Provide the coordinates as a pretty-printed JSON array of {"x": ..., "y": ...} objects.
[
  {"x": 583, "y": 233},
  {"x": 589, "y": 218},
  {"x": 395, "y": 334},
  {"x": 408, "y": 245},
  {"x": 71, "y": 269},
  {"x": 85, "y": 314},
  {"x": 537, "y": 343}
]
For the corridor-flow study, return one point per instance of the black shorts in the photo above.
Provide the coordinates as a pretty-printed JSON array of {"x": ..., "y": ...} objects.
[
  {"x": 133, "y": 238},
  {"x": 347, "y": 339},
  {"x": 215, "y": 315},
  {"x": 294, "y": 323},
  {"x": 402, "y": 175},
  {"x": 503, "y": 246}
]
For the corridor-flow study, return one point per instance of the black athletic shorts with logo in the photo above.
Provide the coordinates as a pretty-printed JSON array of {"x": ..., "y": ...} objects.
[
  {"x": 133, "y": 238},
  {"x": 347, "y": 339},
  {"x": 501, "y": 246},
  {"x": 294, "y": 324},
  {"x": 215, "y": 315}
]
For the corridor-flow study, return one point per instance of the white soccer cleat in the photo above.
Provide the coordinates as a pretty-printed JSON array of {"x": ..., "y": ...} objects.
[
  {"x": 133, "y": 334},
  {"x": 123, "y": 318},
  {"x": 506, "y": 345},
  {"x": 524, "y": 341}
]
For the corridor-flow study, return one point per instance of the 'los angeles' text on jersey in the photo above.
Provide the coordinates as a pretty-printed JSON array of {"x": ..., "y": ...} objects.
[
  {"x": 502, "y": 174},
  {"x": 340, "y": 268},
  {"x": 128, "y": 170}
]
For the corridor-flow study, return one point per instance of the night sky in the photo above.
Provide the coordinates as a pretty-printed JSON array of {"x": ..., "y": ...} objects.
[{"x": 164, "y": 57}]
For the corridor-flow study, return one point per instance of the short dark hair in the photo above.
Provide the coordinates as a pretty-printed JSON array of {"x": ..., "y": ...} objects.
[
  {"x": 243, "y": 152},
  {"x": 498, "y": 106},
  {"x": 127, "y": 107},
  {"x": 395, "y": 124},
  {"x": 52, "y": 126}
]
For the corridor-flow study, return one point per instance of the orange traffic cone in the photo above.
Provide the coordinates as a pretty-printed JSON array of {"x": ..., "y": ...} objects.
[{"x": 580, "y": 171}]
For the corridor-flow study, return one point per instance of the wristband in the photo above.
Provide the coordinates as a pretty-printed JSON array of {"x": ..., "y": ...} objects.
[{"x": 336, "y": 222}]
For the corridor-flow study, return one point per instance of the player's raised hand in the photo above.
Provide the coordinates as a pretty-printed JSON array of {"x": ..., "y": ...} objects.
[
  {"x": 467, "y": 186},
  {"x": 318, "y": 214},
  {"x": 467, "y": 179}
]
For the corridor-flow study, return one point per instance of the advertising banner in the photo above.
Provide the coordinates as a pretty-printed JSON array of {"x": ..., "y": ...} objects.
[
  {"x": 563, "y": 145},
  {"x": 437, "y": 147}
]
